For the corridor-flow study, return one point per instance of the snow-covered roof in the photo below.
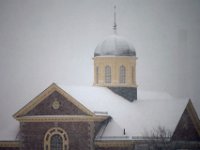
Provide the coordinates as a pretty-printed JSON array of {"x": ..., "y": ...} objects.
[
  {"x": 115, "y": 45},
  {"x": 151, "y": 110}
]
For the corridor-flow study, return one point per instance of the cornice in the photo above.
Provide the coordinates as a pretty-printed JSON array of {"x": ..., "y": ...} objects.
[
  {"x": 113, "y": 85},
  {"x": 9, "y": 144},
  {"x": 63, "y": 118},
  {"x": 115, "y": 57}
]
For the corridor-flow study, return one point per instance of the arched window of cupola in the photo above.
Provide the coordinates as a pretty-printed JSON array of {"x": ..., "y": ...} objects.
[
  {"x": 56, "y": 139},
  {"x": 107, "y": 74},
  {"x": 97, "y": 75},
  {"x": 122, "y": 74},
  {"x": 133, "y": 75}
]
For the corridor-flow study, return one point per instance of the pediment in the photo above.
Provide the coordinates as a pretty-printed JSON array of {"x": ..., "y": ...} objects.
[
  {"x": 53, "y": 101},
  {"x": 188, "y": 127}
]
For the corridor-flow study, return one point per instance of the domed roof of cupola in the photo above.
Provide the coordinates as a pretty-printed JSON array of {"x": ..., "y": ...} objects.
[{"x": 115, "y": 45}]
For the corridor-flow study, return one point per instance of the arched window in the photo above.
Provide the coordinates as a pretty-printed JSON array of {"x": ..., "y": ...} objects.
[
  {"x": 56, "y": 139},
  {"x": 97, "y": 75},
  {"x": 133, "y": 75},
  {"x": 56, "y": 142},
  {"x": 122, "y": 74},
  {"x": 107, "y": 74}
]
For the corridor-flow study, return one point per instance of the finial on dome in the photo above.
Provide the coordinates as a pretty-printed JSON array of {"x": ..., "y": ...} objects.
[{"x": 115, "y": 23}]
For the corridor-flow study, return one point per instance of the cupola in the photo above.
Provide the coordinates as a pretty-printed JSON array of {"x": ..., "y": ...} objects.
[
  {"x": 114, "y": 45},
  {"x": 115, "y": 65}
]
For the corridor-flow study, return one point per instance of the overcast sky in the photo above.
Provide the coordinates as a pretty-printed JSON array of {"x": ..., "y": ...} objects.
[{"x": 46, "y": 41}]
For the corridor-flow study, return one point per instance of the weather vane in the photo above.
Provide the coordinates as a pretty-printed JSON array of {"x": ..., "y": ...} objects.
[{"x": 115, "y": 23}]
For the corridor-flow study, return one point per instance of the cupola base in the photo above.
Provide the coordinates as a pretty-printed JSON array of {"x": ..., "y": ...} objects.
[{"x": 129, "y": 93}]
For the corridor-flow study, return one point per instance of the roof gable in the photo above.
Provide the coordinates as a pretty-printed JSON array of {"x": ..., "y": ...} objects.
[
  {"x": 194, "y": 116},
  {"x": 188, "y": 127},
  {"x": 50, "y": 100},
  {"x": 55, "y": 104}
]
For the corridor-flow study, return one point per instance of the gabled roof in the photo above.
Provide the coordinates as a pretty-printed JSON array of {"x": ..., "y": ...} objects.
[{"x": 38, "y": 99}]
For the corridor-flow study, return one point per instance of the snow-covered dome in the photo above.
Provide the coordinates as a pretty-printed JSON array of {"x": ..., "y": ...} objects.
[{"x": 116, "y": 46}]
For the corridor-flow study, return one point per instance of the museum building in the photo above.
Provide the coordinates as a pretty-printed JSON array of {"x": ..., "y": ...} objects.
[{"x": 112, "y": 114}]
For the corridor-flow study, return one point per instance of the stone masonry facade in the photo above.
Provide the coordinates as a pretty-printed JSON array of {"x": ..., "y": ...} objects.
[{"x": 80, "y": 134}]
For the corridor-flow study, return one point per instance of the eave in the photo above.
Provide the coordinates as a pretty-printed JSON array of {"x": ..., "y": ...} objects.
[{"x": 62, "y": 118}]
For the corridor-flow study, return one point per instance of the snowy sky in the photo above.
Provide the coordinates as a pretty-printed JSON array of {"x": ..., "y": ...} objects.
[{"x": 45, "y": 41}]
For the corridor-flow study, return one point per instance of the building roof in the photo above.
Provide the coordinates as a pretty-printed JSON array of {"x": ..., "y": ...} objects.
[
  {"x": 139, "y": 117},
  {"x": 151, "y": 110},
  {"x": 115, "y": 45}
]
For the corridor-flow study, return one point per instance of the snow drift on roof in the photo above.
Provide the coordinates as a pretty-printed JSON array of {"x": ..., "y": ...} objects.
[{"x": 150, "y": 111}]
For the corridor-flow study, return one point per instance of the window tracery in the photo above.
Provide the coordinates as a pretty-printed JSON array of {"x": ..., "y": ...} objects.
[
  {"x": 107, "y": 74},
  {"x": 56, "y": 139},
  {"x": 56, "y": 142},
  {"x": 122, "y": 74},
  {"x": 97, "y": 75}
]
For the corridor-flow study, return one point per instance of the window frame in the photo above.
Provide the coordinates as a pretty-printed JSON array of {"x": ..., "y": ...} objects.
[
  {"x": 122, "y": 74},
  {"x": 56, "y": 141},
  {"x": 97, "y": 75},
  {"x": 108, "y": 74},
  {"x": 56, "y": 131}
]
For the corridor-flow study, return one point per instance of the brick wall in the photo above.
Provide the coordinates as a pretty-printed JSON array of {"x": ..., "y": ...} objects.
[{"x": 80, "y": 134}]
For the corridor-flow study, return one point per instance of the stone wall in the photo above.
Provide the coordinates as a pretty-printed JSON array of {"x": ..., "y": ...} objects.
[{"x": 80, "y": 134}]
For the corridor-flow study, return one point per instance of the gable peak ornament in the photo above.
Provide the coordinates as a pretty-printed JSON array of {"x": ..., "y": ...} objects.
[{"x": 56, "y": 104}]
